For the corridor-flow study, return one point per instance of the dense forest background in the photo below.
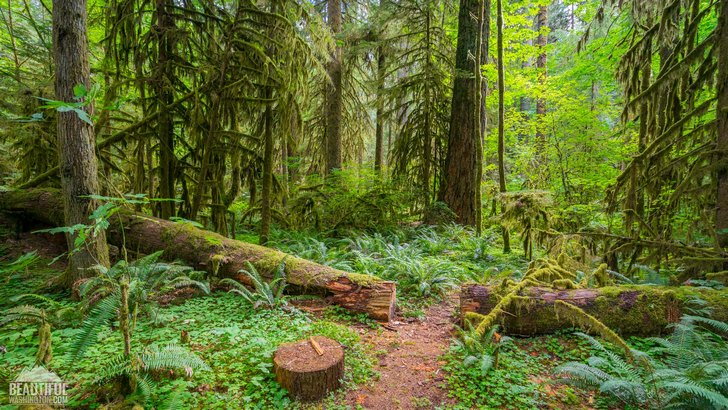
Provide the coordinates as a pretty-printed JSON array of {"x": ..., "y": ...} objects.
[
  {"x": 437, "y": 192},
  {"x": 590, "y": 125}
]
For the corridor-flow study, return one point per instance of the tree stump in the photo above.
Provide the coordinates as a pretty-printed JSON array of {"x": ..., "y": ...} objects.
[{"x": 307, "y": 375}]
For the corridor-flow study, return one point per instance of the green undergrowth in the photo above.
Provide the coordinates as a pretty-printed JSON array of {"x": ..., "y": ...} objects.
[
  {"x": 237, "y": 342},
  {"x": 426, "y": 262},
  {"x": 522, "y": 379}
]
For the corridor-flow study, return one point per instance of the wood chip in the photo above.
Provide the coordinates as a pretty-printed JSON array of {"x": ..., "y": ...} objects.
[{"x": 316, "y": 346}]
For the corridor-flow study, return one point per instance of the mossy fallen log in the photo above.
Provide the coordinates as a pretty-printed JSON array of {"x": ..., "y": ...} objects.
[
  {"x": 221, "y": 256},
  {"x": 629, "y": 310}
]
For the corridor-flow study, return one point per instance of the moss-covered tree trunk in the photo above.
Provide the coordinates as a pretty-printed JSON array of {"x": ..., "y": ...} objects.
[
  {"x": 541, "y": 41},
  {"x": 427, "y": 126},
  {"x": 459, "y": 184},
  {"x": 221, "y": 256},
  {"x": 76, "y": 142},
  {"x": 501, "y": 120},
  {"x": 164, "y": 94},
  {"x": 628, "y": 310},
  {"x": 266, "y": 203},
  {"x": 721, "y": 215},
  {"x": 334, "y": 93},
  {"x": 379, "y": 135}
]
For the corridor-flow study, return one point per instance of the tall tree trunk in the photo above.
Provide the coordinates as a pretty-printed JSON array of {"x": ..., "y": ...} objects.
[
  {"x": 501, "y": 120},
  {"x": 525, "y": 101},
  {"x": 379, "y": 144},
  {"x": 721, "y": 214},
  {"x": 427, "y": 129},
  {"x": 164, "y": 94},
  {"x": 334, "y": 96},
  {"x": 459, "y": 185},
  {"x": 541, "y": 19},
  {"x": 76, "y": 144},
  {"x": 479, "y": 118},
  {"x": 266, "y": 203}
]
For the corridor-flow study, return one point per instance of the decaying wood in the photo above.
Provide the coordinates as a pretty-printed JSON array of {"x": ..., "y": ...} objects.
[
  {"x": 628, "y": 310},
  {"x": 224, "y": 257},
  {"x": 307, "y": 374}
]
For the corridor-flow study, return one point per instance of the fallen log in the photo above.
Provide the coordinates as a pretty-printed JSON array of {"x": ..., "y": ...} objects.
[
  {"x": 628, "y": 310},
  {"x": 221, "y": 256}
]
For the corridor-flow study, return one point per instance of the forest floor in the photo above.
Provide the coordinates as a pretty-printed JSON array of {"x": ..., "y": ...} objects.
[
  {"x": 406, "y": 364},
  {"x": 410, "y": 368}
]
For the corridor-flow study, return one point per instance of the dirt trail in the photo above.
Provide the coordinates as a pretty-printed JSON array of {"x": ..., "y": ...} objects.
[{"x": 410, "y": 374}]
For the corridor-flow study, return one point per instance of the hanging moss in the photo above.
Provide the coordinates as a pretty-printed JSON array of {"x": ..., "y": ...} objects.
[{"x": 589, "y": 323}]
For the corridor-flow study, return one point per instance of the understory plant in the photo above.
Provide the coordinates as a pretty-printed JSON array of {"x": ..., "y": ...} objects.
[
  {"x": 482, "y": 352},
  {"x": 21, "y": 263},
  {"x": 265, "y": 294},
  {"x": 687, "y": 370},
  {"x": 137, "y": 371},
  {"x": 41, "y": 316},
  {"x": 146, "y": 276},
  {"x": 423, "y": 277},
  {"x": 120, "y": 293}
]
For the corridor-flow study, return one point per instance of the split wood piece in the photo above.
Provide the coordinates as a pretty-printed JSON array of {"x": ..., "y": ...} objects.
[
  {"x": 221, "y": 256},
  {"x": 316, "y": 346},
  {"x": 628, "y": 310},
  {"x": 307, "y": 375}
]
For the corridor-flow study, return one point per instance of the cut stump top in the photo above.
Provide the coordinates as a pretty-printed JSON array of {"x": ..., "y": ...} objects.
[{"x": 301, "y": 357}]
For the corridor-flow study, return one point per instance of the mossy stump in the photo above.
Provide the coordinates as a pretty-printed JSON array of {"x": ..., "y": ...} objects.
[{"x": 306, "y": 374}]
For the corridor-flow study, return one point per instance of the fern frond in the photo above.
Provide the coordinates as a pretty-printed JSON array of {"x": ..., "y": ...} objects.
[
  {"x": 185, "y": 282},
  {"x": 172, "y": 357},
  {"x": 173, "y": 401},
  {"x": 26, "y": 313},
  {"x": 695, "y": 390},
  {"x": 100, "y": 315},
  {"x": 582, "y": 375},
  {"x": 143, "y": 387},
  {"x": 626, "y": 390},
  {"x": 117, "y": 366}
]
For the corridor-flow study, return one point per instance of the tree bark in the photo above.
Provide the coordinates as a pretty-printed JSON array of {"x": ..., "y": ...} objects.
[
  {"x": 379, "y": 137},
  {"x": 427, "y": 126},
  {"x": 501, "y": 121},
  {"x": 721, "y": 214},
  {"x": 164, "y": 94},
  {"x": 541, "y": 41},
  {"x": 76, "y": 144},
  {"x": 459, "y": 185},
  {"x": 266, "y": 203},
  {"x": 221, "y": 256},
  {"x": 334, "y": 97},
  {"x": 481, "y": 57},
  {"x": 628, "y": 310}
]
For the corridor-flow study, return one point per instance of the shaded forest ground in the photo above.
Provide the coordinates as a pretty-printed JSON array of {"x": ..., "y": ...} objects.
[{"x": 409, "y": 364}]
